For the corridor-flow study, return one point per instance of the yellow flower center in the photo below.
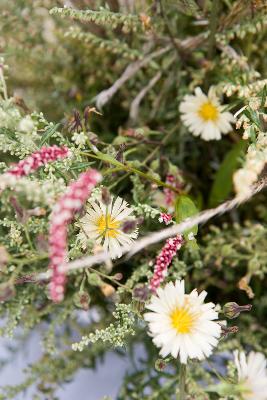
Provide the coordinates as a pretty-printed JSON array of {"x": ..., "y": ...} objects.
[
  {"x": 208, "y": 112},
  {"x": 182, "y": 320},
  {"x": 107, "y": 226}
]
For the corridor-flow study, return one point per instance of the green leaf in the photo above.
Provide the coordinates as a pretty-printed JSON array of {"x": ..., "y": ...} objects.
[
  {"x": 252, "y": 116},
  {"x": 9, "y": 133},
  {"x": 263, "y": 97},
  {"x": 48, "y": 133},
  {"x": 185, "y": 208},
  {"x": 223, "y": 182},
  {"x": 81, "y": 166}
]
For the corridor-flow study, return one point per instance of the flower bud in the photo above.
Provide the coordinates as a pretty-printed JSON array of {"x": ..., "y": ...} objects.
[
  {"x": 228, "y": 330},
  {"x": 82, "y": 300},
  {"x": 140, "y": 292},
  {"x": 105, "y": 194},
  {"x": 232, "y": 310},
  {"x": 160, "y": 364},
  {"x": 118, "y": 276},
  {"x": 107, "y": 290},
  {"x": 129, "y": 225}
]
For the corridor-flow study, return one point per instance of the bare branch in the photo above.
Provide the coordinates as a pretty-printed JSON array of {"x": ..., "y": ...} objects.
[
  {"x": 134, "y": 109},
  {"x": 103, "y": 97},
  {"x": 164, "y": 233}
]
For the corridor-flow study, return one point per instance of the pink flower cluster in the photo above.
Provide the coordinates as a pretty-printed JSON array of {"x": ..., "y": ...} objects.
[
  {"x": 163, "y": 261},
  {"x": 170, "y": 194},
  {"x": 38, "y": 159},
  {"x": 166, "y": 218},
  {"x": 71, "y": 202}
]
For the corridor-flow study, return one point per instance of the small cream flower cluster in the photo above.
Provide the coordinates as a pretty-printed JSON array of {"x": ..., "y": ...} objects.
[
  {"x": 256, "y": 159},
  {"x": 116, "y": 333}
]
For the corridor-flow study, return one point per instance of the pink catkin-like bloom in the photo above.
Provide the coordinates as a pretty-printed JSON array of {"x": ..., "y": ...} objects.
[
  {"x": 38, "y": 159},
  {"x": 170, "y": 195},
  {"x": 63, "y": 212},
  {"x": 163, "y": 261},
  {"x": 166, "y": 218}
]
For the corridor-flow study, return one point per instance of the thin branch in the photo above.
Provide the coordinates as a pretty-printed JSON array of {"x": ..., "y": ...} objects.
[
  {"x": 103, "y": 97},
  {"x": 164, "y": 233},
  {"x": 134, "y": 109}
]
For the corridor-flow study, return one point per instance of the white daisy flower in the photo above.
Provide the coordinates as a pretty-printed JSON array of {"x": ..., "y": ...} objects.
[
  {"x": 252, "y": 375},
  {"x": 103, "y": 224},
  {"x": 181, "y": 324},
  {"x": 204, "y": 116}
]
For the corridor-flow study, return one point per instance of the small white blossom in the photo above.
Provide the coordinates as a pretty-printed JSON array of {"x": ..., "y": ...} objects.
[
  {"x": 103, "y": 223},
  {"x": 204, "y": 116},
  {"x": 79, "y": 138},
  {"x": 26, "y": 124},
  {"x": 181, "y": 324},
  {"x": 252, "y": 375}
]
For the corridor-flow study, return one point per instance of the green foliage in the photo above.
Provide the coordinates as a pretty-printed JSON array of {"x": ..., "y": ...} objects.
[
  {"x": 222, "y": 184},
  {"x": 102, "y": 17},
  {"x": 185, "y": 208},
  {"x": 142, "y": 58}
]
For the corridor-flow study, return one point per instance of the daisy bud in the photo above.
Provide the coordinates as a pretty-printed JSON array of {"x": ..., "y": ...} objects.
[
  {"x": 119, "y": 156},
  {"x": 107, "y": 290},
  {"x": 140, "y": 292},
  {"x": 118, "y": 276},
  {"x": 82, "y": 300},
  {"x": 160, "y": 364},
  {"x": 228, "y": 330},
  {"x": 129, "y": 226},
  {"x": 232, "y": 310},
  {"x": 75, "y": 123}
]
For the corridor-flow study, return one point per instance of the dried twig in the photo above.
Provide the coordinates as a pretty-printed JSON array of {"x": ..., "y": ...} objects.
[
  {"x": 103, "y": 97},
  {"x": 134, "y": 109},
  {"x": 164, "y": 233}
]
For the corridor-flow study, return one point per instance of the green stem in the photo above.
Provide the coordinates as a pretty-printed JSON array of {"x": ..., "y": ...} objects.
[
  {"x": 109, "y": 278},
  {"x": 27, "y": 234},
  {"x": 182, "y": 393},
  {"x": 213, "y": 27},
  {"x": 128, "y": 168},
  {"x": 3, "y": 82}
]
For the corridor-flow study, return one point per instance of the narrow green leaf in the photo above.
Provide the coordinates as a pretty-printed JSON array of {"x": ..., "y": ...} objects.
[
  {"x": 47, "y": 134},
  {"x": 263, "y": 97},
  {"x": 81, "y": 166},
  {"x": 185, "y": 208},
  {"x": 9, "y": 133},
  {"x": 222, "y": 185}
]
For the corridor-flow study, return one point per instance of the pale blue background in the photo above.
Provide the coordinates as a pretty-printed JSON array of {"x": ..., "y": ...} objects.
[{"x": 86, "y": 385}]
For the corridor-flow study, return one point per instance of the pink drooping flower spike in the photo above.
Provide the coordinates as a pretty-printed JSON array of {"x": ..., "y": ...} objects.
[
  {"x": 76, "y": 195},
  {"x": 166, "y": 218},
  {"x": 163, "y": 261},
  {"x": 38, "y": 159}
]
